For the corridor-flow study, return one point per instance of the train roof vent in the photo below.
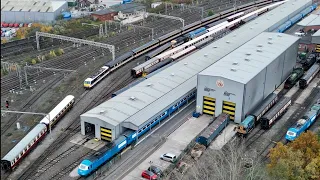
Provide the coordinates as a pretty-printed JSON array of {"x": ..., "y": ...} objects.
[
  {"x": 205, "y": 55},
  {"x": 132, "y": 98},
  {"x": 172, "y": 74},
  {"x": 233, "y": 69},
  {"x": 270, "y": 38},
  {"x": 235, "y": 63},
  {"x": 259, "y": 45},
  {"x": 268, "y": 19},
  {"x": 246, "y": 59},
  {"x": 251, "y": 27},
  {"x": 269, "y": 42},
  {"x": 256, "y": 22},
  {"x": 248, "y": 53}
]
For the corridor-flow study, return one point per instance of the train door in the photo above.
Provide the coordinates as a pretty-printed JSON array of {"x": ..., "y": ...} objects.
[
  {"x": 89, "y": 128},
  {"x": 106, "y": 134},
  {"x": 229, "y": 108},
  {"x": 209, "y": 105}
]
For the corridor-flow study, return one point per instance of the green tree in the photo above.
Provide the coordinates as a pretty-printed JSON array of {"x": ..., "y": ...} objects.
[
  {"x": 33, "y": 61},
  {"x": 210, "y": 13}
]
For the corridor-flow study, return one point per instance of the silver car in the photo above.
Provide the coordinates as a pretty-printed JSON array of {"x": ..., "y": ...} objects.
[{"x": 168, "y": 157}]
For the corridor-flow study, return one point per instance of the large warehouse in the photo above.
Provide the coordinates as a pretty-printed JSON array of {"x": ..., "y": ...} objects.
[
  {"x": 24, "y": 11},
  {"x": 143, "y": 104},
  {"x": 241, "y": 80}
]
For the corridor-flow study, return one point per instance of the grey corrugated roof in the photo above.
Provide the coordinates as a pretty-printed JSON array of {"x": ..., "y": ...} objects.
[
  {"x": 316, "y": 33},
  {"x": 128, "y": 8},
  {"x": 34, "y": 6},
  {"x": 246, "y": 62},
  {"x": 24, "y": 142},
  {"x": 170, "y": 88},
  {"x": 103, "y": 11},
  {"x": 311, "y": 20}
]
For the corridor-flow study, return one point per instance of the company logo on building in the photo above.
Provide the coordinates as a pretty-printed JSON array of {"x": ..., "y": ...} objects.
[
  {"x": 220, "y": 83},
  {"x": 226, "y": 93},
  {"x": 209, "y": 89}
]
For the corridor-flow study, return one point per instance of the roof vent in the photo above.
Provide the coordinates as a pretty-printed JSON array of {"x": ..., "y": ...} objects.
[
  {"x": 259, "y": 45},
  {"x": 235, "y": 35},
  {"x": 268, "y": 19},
  {"x": 205, "y": 55},
  {"x": 132, "y": 98},
  {"x": 271, "y": 14},
  {"x": 269, "y": 42},
  {"x": 279, "y": 35},
  {"x": 269, "y": 38},
  {"x": 233, "y": 69},
  {"x": 259, "y": 50},
  {"x": 149, "y": 84},
  {"x": 185, "y": 63},
  {"x": 235, "y": 63},
  {"x": 101, "y": 112},
  {"x": 251, "y": 27},
  {"x": 228, "y": 42},
  {"x": 248, "y": 54},
  {"x": 172, "y": 74},
  {"x": 246, "y": 59},
  {"x": 215, "y": 46}
]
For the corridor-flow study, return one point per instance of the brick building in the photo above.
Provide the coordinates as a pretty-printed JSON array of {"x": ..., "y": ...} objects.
[{"x": 105, "y": 14}]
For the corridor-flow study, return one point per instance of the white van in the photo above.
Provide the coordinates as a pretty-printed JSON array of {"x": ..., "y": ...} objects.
[
  {"x": 168, "y": 157},
  {"x": 299, "y": 34}
]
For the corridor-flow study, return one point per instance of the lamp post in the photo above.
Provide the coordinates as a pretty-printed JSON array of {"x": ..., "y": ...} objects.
[{"x": 150, "y": 162}]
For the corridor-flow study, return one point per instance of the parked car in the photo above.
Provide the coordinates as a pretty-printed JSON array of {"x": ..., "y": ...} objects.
[
  {"x": 168, "y": 157},
  {"x": 149, "y": 175},
  {"x": 155, "y": 170}
]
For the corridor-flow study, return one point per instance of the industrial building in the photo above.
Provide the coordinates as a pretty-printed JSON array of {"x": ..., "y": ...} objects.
[
  {"x": 140, "y": 105},
  {"x": 241, "y": 80},
  {"x": 312, "y": 22},
  {"x": 17, "y": 11}
]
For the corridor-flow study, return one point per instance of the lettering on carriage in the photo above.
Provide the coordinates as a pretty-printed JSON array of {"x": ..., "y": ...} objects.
[
  {"x": 209, "y": 89},
  {"x": 226, "y": 93}
]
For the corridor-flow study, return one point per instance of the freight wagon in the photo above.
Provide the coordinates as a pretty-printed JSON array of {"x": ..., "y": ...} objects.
[{"x": 213, "y": 130}]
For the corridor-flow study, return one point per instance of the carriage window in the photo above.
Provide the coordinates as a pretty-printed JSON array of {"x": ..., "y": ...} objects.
[
  {"x": 148, "y": 125},
  {"x": 12, "y": 162},
  {"x": 143, "y": 128},
  {"x": 163, "y": 114},
  {"x": 139, "y": 131}
]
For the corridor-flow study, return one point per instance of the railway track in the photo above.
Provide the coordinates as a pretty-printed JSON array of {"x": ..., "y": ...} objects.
[
  {"x": 71, "y": 129},
  {"x": 29, "y": 103}
]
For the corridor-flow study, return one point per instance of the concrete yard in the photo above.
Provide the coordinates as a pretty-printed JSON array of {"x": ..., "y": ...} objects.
[
  {"x": 175, "y": 143},
  {"x": 225, "y": 136}
]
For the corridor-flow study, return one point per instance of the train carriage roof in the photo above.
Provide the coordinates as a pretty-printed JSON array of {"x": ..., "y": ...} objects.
[
  {"x": 264, "y": 103},
  {"x": 23, "y": 143},
  {"x": 119, "y": 59},
  {"x": 145, "y": 46},
  {"x": 169, "y": 34},
  {"x": 276, "y": 108},
  {"x": 55, "y": 111}
]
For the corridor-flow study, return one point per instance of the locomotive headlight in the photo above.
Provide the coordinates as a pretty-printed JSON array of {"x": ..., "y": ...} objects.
[{"x": 292, "y": 134}]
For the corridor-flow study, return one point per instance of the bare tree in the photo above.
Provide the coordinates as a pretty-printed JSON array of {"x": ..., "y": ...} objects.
[{"x": 232, "y": 162}]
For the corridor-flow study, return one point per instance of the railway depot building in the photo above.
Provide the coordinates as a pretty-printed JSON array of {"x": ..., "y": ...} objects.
[
  {"x": 141, "y": 105},
  {"x": 16, "y": 11},
  {"x": 241, "y": 80}
]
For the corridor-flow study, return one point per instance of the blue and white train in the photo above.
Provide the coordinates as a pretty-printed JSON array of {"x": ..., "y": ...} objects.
[
  {"x": 90, "y": 164},
  {"x": 20, "y": 150},
  {"x": 304, "y": 123},
  {"x": 296, "y": 18}
]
